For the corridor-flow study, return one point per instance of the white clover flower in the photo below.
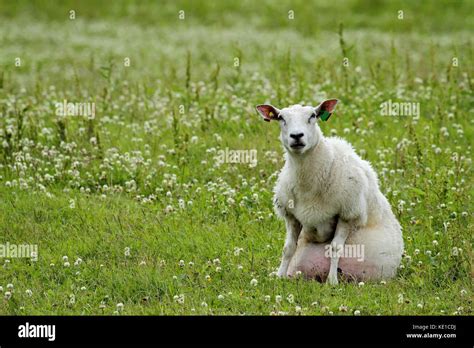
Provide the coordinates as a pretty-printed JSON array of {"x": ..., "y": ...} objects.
[
  {"x": 65, "y": 258},
  {"x": 8, "y": 295},
  {"x": 179, "y": 298},
  {"x": 181, "y": 263},
  {"x": 254, "y": 282},
  {"x": 383, "y": 282},
  {"x": 220, "y": 297},
  {"x": 357, "y": 312},
  {"x": 67, "y": 264},
  {"x": 361, "y": 284},
  {"x": 297, "y": 309},
  {"x": 237, "y": 251},
  {"x": 342, "y": 308},
  {"x": 29, "y": 292},
  {"x": 203, "y": 304},
  {"x": 218, "y": 269},
  {"x": 400, "y": 298},
  {"x": 1, "y": 288},
  {"x": 120, "y": 306},
  {"x": 267, "y": 298},
  {"x": 278, "y": 298}
]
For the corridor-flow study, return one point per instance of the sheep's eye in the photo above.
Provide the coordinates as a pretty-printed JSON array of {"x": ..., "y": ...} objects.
[
  {"x": 282, "y": 119},
  {"x": 311, "y": 117}
]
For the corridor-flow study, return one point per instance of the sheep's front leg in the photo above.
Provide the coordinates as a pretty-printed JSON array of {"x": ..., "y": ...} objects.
[
  {"x": 342, "y": 232},
  {"x": 293, "y": 229}
]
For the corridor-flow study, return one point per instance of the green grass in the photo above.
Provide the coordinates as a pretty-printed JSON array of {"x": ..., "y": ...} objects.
[{"x": 160, "y": 122}]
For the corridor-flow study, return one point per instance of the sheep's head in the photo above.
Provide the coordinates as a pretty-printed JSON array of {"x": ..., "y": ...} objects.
[{"x": 299, "y": 129}]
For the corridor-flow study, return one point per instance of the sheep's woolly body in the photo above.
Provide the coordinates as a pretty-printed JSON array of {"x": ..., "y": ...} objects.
[{"x": 331, "y": 181}]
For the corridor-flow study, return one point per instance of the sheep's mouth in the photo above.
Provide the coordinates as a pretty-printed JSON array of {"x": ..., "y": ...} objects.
[{"x": 297, "y": 145}]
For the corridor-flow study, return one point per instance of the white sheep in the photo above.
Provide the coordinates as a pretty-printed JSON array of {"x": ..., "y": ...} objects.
[{"x": 331, "y": 203}]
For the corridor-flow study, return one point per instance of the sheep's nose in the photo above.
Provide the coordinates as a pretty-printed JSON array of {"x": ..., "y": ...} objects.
[{"x": 296, "y": 136}]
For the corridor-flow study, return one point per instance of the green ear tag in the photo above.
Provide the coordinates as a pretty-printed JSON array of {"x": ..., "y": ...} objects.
[{"x": 325, "y": 115}]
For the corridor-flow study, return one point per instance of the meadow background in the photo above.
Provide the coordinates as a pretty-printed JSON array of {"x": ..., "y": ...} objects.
[{"x": 131, "y": 212}]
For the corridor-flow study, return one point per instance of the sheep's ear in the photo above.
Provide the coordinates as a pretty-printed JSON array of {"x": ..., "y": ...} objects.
[
  {"x": 325, "y": 109},
  {"x": 268, "y": 112}
]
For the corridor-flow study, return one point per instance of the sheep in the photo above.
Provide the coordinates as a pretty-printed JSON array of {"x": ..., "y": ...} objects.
[{"x": 330, "y": 201}]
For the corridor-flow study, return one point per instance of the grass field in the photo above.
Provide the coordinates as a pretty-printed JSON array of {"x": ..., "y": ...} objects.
[{"x": 132, "y": 212}]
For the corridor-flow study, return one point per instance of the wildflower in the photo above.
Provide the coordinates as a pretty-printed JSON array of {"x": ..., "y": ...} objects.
[
  {"x": 383, "y": 282},
  {"x": 29, "y": 292},
  {"x": 400, "y": 298},
  {"x": 361, "y": 284},
  {"x": 181, "y": 263},
  {"x": 342, "y": 308},
  {"x": 278, "y": 298},
  {"x": 254, "y": 282},
  {"x": 127, "y": 252},
  {"x": 203, "y": 304},
  {"x": 8, "y": 295},
  {"x": 298, "y": 309},
  {"x": 357, "y": 312},
  {"x": 220, "y": 297},
  {"x": 179, "y": 298},
  {"x": 267, "y": 298},
  {"x": 67, "y": 264},
  {"x": 237, "y": 251},
  {"x": 120, "y": 306}
]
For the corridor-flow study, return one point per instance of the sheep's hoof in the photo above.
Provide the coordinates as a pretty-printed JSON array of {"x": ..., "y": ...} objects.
[{"x": 332, "y": 279}]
